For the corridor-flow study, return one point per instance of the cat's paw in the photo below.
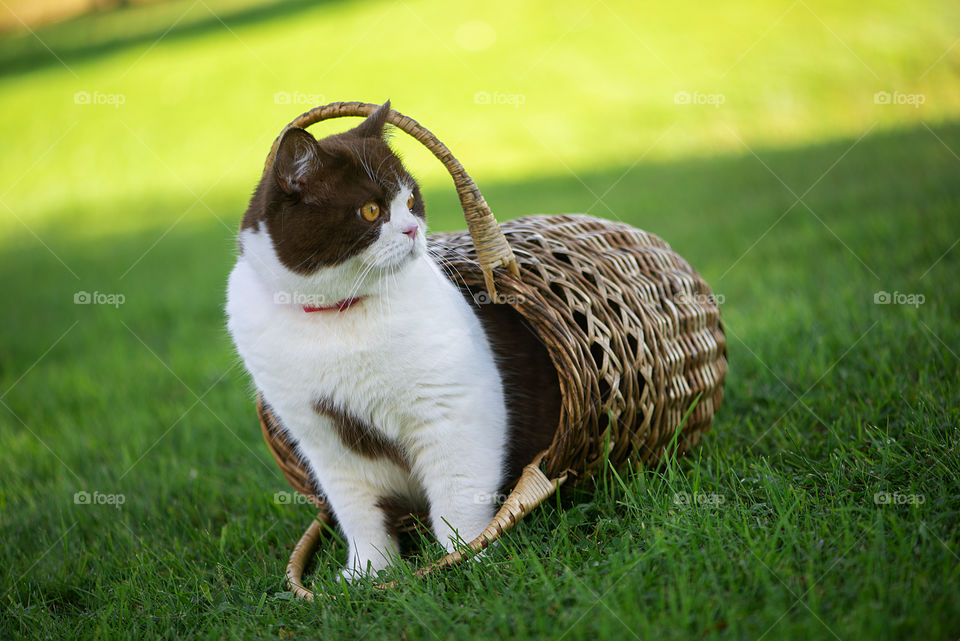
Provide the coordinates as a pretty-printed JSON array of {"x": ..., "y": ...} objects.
[
  {"x": 349, "y": 575},
  {"x": 361, "y": 570}
]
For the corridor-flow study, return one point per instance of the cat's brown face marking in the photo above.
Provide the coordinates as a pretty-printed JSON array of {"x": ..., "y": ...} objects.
[{"x": 310, "y": 200}]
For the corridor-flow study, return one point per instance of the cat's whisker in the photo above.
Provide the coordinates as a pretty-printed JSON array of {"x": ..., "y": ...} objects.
[
  {"x": 446, "y": 263},
  {"x": 304, "y": 261},
  {"x": 377, "y": 172},
  {"x": 364, "y": 162},
  {"x": 359, "y": 282},
  {"x": 389, "y": 302},
  {"x": 460, "y": 255},
  {"x": 349, "y": 250},
  {"x": 384, "y": 294}
]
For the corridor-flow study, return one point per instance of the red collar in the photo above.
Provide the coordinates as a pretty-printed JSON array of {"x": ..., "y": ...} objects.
[{"x": 341, "y": 306}]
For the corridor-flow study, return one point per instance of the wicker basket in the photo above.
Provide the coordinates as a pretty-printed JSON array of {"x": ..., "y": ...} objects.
[{"x": 633, "y": 331}]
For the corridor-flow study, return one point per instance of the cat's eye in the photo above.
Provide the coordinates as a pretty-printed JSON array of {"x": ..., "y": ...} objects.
[
  {"x": 410, "y": 202},
  {"x": 370, "y": 211}
]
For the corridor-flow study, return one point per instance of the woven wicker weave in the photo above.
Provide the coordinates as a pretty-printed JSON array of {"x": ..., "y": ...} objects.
[{"x": 632, "y": 329}]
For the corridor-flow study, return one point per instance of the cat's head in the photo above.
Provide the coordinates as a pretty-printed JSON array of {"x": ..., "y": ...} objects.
[{"x": 331, "y": 212}]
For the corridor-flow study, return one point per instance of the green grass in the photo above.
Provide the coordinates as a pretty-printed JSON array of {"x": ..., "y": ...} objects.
[{"x": 830, "y": 401}]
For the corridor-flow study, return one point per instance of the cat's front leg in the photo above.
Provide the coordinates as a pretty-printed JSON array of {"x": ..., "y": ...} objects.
[
  {"x": 356, "y": 503},
  {"x": 372, "y": 546},
  {"x": 462, "y": 477}
]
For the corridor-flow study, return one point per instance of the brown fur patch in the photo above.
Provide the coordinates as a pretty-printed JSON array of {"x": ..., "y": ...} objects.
[
  {"x": 360, "y": 437},
  {"x": 405, "y": 521},
  {"x": 530, "y": 382},
  {"x": 394, "y": 509}
]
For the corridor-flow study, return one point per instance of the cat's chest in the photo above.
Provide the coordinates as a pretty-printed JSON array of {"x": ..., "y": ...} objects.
[
  {"x": 347, "y": 359},
  {"x": 381, "y": 353}
]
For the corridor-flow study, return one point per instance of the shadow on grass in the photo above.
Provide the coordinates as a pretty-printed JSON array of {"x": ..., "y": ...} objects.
[{"x": 96, "y": 34}]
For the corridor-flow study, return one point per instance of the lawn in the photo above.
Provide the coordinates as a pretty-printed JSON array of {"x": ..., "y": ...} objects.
[{"x": 756, "y": 138}]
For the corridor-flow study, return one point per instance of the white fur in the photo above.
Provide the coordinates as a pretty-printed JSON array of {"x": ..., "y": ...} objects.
[{"x": 411, "y": 359}]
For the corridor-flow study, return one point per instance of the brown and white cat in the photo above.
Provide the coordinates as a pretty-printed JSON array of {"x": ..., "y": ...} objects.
[{"x": 375, "y": 363}]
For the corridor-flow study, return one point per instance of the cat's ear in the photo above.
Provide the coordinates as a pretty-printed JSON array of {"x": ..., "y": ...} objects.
[
  {"x": 372, "y": 127},
  {"x": 297, "y": 158}
]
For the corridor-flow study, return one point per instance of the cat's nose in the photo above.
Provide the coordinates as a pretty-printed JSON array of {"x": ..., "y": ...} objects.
[{"x": 411, "y": 231}]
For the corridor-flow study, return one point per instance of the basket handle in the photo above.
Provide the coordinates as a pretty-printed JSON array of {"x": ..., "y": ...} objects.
[
  {"x": 531, "y": 490},
  {"x": 491, "y": 245}
]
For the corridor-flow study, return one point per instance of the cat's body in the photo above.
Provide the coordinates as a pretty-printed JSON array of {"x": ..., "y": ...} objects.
[
  {"x": 423, "y": 382},
  {"x": 372, "y": 359}
]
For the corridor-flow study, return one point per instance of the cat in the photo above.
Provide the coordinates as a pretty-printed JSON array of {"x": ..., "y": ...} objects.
[{"x": 374, "y": 362}]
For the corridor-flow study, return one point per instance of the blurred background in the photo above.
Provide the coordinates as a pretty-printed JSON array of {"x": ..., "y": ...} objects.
[
  {"x": 803, "y": 155},
  {"x": 119, "y": 118}
]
